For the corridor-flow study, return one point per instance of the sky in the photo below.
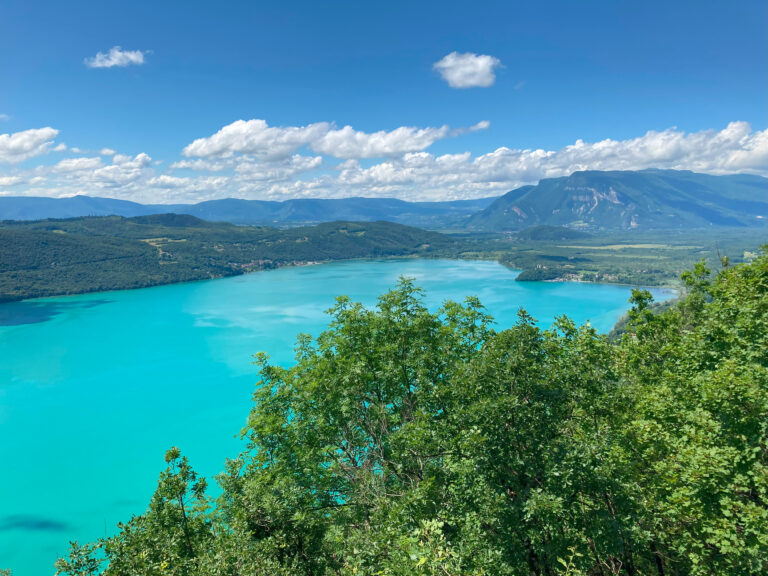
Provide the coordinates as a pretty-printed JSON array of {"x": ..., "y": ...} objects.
[{"x": 162, "y": 102}]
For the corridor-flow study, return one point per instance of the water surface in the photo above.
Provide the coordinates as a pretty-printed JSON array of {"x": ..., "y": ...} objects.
[{"x": 94, "y": 388}]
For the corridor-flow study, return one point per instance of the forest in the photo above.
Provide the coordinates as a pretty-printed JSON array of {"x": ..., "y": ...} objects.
[
  {"x": 405, "y": 441},
  {"x": 93, "y": 254}
]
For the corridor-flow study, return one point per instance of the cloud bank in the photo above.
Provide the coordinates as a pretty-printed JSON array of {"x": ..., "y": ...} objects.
[
  {"x": 249, "y": 159},
  {"x": 257, "y": 138},
  {"x": 467, "y": 70},
  {"x": 116, "y": 57}
]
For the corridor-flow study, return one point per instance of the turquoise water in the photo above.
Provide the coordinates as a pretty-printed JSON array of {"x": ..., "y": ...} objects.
[{"x": 94, "y": 388}]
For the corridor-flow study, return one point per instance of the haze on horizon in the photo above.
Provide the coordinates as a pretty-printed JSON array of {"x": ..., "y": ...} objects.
[{"x": 179, "y": 103}]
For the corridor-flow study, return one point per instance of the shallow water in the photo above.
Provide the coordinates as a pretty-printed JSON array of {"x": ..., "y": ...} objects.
[{"x": 94, "y": 388}]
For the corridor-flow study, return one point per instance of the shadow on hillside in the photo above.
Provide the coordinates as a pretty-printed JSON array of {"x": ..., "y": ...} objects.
[{"x": 33, "y": 312}]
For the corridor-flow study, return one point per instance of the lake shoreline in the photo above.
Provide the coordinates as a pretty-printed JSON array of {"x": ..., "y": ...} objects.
[{"x": 672, "y": 287}]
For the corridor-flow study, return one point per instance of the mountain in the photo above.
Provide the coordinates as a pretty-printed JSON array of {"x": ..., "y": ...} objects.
[
  {"x": 38, "y": 208},
  {"x": 451, "y": 214},
  {"x": 625, "y": 200},
  {"x": 591, "y": 200}
]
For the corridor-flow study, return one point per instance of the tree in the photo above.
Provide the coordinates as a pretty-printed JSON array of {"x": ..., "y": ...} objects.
[{"x": 404, "y": 441}]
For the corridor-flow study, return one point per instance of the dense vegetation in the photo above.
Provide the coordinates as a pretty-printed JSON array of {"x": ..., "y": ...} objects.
[
  {"x": 634, "y": 258},
  {"x": 51, "y": 257},
  {"x": 408, "y": 442}
]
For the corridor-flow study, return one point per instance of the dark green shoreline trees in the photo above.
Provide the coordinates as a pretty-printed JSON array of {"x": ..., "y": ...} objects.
[{"x": 406, "y": 442}]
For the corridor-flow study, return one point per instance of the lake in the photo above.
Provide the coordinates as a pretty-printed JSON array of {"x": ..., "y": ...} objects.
[{"x": 94, "y": 388}]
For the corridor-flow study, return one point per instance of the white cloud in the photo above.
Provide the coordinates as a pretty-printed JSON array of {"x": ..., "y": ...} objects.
[
  {"x": 77, "y": 164},
  {"x": 123, "y": 171},
  {"x": 412, "y": 175},
  {"x": 116, "y": 57},
  {"x": 10, "y": 180},
  {"x": 350, "y": 143},
  {"x": 4, "y": 117},
  {"x": 166, "y": 181},
  {"x": 467, "y": 70},
  {"x": 734, "y": 149},
  {"x": 21, "y": 146},
  {"x": 200, "y": 164},
  {"x": 277, "y": 171},
  {"x": 107, "y": 152},
  {"x": 256, "y": 137}
]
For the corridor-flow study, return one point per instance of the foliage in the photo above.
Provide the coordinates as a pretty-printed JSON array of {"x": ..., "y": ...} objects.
[
  {"x": 52, "y": 257},
  {"x": 404, "y": 441}
]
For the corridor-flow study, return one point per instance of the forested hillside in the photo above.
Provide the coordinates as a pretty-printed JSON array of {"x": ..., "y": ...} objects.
[
  {"x": 409, "y": 442},
  {"x": 50, "y": 257}
]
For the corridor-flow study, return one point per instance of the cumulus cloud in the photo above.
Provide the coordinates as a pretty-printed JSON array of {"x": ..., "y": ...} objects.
[
  {"x": 736, "y": 148},
  {"x": 77, "y": 164},
  {"x": 10, "y": 180},
  {"x": 411, "y": 173},
  {"x": 277, "y": 171},
  {"x": 21, "y": 146},
  {"x": 200, "y": 164},
  {"x": 256, "y": 137},
  {"x": 350, "y": 143},
  {"x": 467, "y": 70},
  {"x": 116, "y": 57}
]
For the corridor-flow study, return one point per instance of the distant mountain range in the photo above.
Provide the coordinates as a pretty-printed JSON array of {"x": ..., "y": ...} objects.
[
  {"x": 592, "y": 201},
  {"x": 644, "y": 200},
  {"x": 287, "y": 213}
]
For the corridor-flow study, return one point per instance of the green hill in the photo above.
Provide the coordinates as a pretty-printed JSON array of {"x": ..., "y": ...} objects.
[
  {"x": 50, "y": 257},
  {"x": 645, "y": 200}
]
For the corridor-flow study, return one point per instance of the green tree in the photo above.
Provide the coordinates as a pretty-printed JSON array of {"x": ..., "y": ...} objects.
[{"x": 404, "y": 441}]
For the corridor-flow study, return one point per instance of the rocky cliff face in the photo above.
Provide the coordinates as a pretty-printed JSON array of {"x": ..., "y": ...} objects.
[{"x": 650, "y": 199}]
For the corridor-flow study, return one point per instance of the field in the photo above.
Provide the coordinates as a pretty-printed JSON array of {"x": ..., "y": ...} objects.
[{"x": 627, "y": 258}]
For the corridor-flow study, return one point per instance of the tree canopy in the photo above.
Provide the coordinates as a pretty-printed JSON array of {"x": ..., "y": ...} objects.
[{"x": 405, "y": 441}]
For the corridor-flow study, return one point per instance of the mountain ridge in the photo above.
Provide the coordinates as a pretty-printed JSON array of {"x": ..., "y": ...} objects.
[
  {"x": 627, "y": 200},
  {"x": 291, "y": 212},
  {"x": 591, "y": 200}
]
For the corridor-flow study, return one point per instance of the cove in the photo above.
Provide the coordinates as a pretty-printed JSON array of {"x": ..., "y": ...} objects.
[{"x": 94, "y": 388}]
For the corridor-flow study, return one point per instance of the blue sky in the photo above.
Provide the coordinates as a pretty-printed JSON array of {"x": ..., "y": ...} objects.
[{"x": 694, "y": 74}]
